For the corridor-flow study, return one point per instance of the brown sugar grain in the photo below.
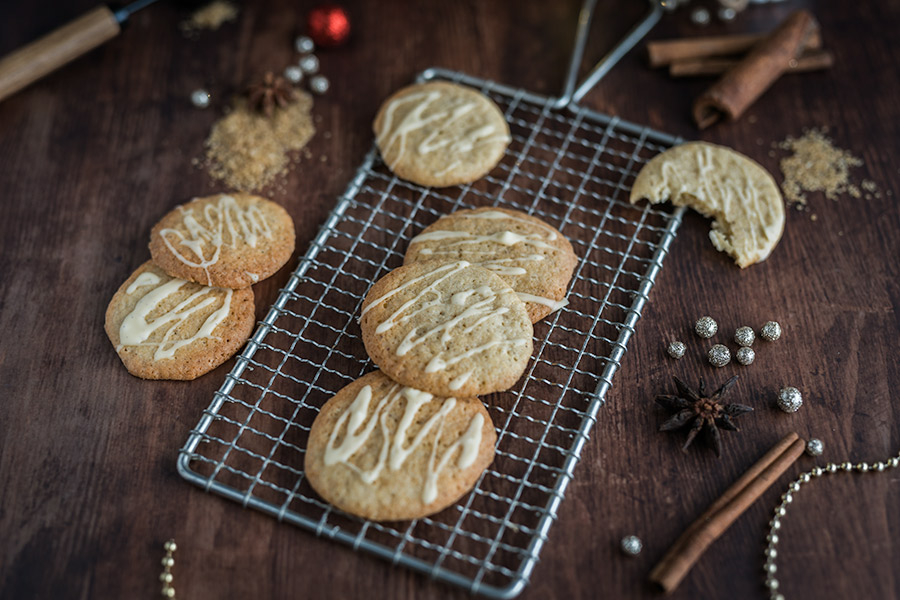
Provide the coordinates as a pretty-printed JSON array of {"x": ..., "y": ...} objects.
[
  {"x": 816, "y": 165},
  {"x": 211, "y": 16},
  {"x": 247, "y": 151}
]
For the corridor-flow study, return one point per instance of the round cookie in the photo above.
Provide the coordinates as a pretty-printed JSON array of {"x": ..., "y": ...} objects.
[
  {"x": 167, "y": 328},
  {"x": 440, "y": 134},
  {"x": 532, "y": 257},
  {"x": 736, "y": 191},
  {"x": 226, "y": 240},
  {"x": 448, "y": 328},
  {"x": 387, "y": 452}
]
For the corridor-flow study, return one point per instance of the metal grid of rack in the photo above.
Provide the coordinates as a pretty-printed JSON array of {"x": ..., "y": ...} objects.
[{"x": 569, "y": 166}]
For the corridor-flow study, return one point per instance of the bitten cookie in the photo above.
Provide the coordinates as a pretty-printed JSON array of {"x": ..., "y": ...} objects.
[
  {"x": 227, "y": 240},
  {"x": 166, "y": 328},
  {"x": 440, "y": 134},
  {"x": 388, "y": 452},
  {"x": 532, "y": 257},
  {"x": 740, "y": 196},
  {"x": 448, "y": 328}
]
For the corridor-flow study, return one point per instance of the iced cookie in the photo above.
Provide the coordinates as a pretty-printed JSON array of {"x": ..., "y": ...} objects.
[
  {"x": 449, "y": 328},
  {"x": 735, "y": 191},
  {"x": 532, "y": 257},
  {"x": 440, "y": 134},
  {"x": 388, "y": 452},
  {"x": 166, "y": 328},
  {"x": 227, "y": 240}
]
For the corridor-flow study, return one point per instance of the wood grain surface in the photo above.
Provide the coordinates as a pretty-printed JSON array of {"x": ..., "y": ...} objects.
[{"x": 93, "y": 155}]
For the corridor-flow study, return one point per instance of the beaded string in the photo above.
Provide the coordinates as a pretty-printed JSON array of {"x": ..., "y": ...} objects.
[
  {"x": 168, "y": 562},
  {"x": 770, "y": 568}
]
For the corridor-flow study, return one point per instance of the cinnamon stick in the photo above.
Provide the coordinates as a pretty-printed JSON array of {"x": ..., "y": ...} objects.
[
  {"x": 699, "y": 67},
  {"x": 688, "y": 548},
  {"x": 743, "y": 84},
  {"x": 665, "y": 52}
]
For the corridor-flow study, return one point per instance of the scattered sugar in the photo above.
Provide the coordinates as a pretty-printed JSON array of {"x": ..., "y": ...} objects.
[
  {"x": 248, "y": 151},
  {"x": 212, "y": 16},
  {"x": 815, "y": 165}
]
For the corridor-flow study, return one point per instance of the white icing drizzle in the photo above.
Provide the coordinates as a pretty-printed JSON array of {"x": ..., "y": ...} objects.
[
  {"x": 392, "y": 452},
  {"x": 458, "y": 382},
  {"x": 438, "y": 363},
  {"x": 470, "y": 441},
  {"x": 136, "y": 327},
  {"x": 226, "y": 224},
  {"x": 500, "y": 215},
  {"x": 456, "y": 241},
  {"x": 253, "y": 276},
  {"x": 145, "y": 278},
  {"x": 442, "y": 134},
  {"x": 555, "y": 305},
  {"x": 479, "y": 305},
  {"x": 504, "y": 238}
]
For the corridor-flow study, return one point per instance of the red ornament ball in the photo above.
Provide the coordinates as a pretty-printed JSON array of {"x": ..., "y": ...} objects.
[{"x": 328, "y": 25}]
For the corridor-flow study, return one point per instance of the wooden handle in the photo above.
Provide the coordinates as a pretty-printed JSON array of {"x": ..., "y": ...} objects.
[{"x": 28, "y": 64}]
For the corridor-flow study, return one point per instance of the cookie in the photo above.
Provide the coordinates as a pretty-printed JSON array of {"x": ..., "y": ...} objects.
[
  {"x": 532, "y": 257},
  {"x": 387, "y": 452},
  {"x": 448, "y": 328},
  {"x": 167, "y": 328},
  {"x": 440, "y": 134},
  {"x": 226, "y": 240},
  {"x": 735, "y": 191}
]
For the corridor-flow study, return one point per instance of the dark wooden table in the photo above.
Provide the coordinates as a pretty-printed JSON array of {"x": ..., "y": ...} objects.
[{"x": 93, "y": 155}]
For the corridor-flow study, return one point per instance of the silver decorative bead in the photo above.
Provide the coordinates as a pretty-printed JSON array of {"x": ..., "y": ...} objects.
[
  {"x": 706, "y": 327},
  {"x": 676, "y": 349},
  {"x": 166, "y": 577},
  {"x": 304, "y": 44},
  {"x": 294, "y": 74},
  {"x": 700, "y": 16},
  {"x": 727, "y": 14},
  {"x": 771, "y": 569},
  {"x": 788, "y": 498},
  {"x": 719, "y": 355},
  {"x": 773, "y": 584},
  {"x": 319, "y": 84},
  {"x": 744, "y": 336},
  {"x": 309, "y": 64},
  {"x": 745, "y": 355},
  {"x": 200, "y": 98},
  {"x": 770, "y": 331},
  {"x": 789, "y": 399},
  {"x": 817, "y": 472},
  {"x": 895, "y": 462},
  {"x": 815, "y": 447},
  {"x": 847, "y": 466},
  {"x": 170, "y": 546},
  {"x": 772, "y": 552},
  {"x": 168, "y": 561},
  {"x": 832, "y": 468},
  {"x": 805, "y": 478},
  {"x": 862, "y": 467},
  {"x": 631, "y": 545}
]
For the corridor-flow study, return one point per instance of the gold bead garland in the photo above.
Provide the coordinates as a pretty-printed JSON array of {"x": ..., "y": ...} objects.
[{"x": 168, "y": 591}]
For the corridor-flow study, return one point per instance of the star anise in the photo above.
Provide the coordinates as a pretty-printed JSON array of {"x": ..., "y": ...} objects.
[
  {"x": 701, "y": 412},
  {"x": 272, "y": 91}
]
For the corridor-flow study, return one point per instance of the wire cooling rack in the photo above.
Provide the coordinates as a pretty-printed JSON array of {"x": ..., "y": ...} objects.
[{"x": 568, "y": 165}]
